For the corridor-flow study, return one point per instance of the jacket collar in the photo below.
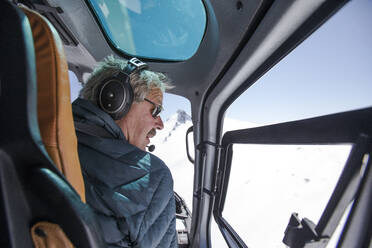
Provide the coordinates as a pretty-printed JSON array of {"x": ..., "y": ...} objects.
[{"x": 87, "y": 112}]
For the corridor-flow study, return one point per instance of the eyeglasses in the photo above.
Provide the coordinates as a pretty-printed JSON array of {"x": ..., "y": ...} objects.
[{"x": 158, "y": 108}]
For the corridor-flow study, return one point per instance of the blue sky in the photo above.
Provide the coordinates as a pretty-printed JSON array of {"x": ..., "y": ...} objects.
[{"x": 329, "y": 72}]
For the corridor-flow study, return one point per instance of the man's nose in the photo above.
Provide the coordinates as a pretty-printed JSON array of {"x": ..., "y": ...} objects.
[{"x": 159, "y": 123}]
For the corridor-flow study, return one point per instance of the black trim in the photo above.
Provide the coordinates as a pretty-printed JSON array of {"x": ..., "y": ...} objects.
[
  {"x": 202, "y": 146},
  {"x": 358, "y": 228},
  {"x": 336, "y": 128},
  {"x": 189, "y": 130},
  {"x": 345, "y": 189},
  {"x": 229, "y": 234}
]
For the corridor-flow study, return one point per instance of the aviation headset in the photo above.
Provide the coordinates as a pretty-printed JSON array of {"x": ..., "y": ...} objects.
[{"x": 115, "y": 95}]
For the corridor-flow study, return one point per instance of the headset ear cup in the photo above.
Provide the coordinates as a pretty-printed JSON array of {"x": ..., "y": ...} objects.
[
  {"x": 127, "y": 103},
  {"x": 115, "y": 97}
]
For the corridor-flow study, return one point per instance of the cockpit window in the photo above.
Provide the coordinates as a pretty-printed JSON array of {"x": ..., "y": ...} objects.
[{"x": 156, "y": 29}]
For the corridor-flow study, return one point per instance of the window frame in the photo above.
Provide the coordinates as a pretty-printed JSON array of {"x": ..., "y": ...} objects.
[
  {"x": 353, "y": 127},
  {"x": 112, "y": 44}
]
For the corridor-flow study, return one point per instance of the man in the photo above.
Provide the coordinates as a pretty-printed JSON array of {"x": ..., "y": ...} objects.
[{"x": 130, "y": 190}]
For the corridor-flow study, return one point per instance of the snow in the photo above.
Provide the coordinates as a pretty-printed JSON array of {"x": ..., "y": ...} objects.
[
  {"x": 267, "y": 182},
  {"x": 171, "y": 148}
]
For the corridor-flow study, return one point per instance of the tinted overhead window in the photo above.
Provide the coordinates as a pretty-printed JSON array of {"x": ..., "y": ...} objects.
[{"x": 158, "y": 29}]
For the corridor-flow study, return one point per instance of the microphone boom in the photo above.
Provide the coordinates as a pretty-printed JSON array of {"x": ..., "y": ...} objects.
[{"x": 151, "y": 148}]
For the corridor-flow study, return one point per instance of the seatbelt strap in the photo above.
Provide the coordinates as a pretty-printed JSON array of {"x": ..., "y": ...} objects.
[{"x": 92, "y": 130}]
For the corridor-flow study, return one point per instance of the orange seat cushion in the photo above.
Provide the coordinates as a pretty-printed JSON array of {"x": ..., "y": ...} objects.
[{"x": 54, "y": 105}]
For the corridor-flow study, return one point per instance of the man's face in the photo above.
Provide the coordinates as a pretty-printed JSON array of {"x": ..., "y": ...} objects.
[{"x": 139, "y": 125}]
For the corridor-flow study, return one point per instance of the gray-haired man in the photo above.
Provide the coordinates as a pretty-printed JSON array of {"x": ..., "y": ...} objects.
[{"x": 130, "y": 190}]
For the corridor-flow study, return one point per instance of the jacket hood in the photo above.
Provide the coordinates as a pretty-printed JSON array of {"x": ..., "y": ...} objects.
[
  {"x": 86, "y": 112},
  {"x": 116, "y": 147}
]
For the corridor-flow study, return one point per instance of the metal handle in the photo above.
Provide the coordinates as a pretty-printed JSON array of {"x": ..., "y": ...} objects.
[{"x": 191, "y": 129}]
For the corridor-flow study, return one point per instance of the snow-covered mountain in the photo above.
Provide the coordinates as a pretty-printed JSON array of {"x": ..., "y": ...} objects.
[
  {"x": 179, "y": 119},
  {"x": 267, "y": 182}
]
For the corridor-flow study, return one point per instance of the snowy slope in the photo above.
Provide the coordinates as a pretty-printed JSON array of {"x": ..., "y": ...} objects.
[
  {"x": 267, "y": 182},
  {"x": 171, "y": 148}
]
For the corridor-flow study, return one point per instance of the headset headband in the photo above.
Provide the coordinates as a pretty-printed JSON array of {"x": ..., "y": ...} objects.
[{"x": 134, "y": 65}]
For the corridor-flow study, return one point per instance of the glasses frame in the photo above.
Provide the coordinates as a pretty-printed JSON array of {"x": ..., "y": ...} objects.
[{"x": 157, "y": 110}]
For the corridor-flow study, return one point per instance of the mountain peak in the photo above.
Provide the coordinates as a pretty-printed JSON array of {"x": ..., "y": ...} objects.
[
  {"x": 177, "y": 120},
  {"x": 182, "y": 116}
]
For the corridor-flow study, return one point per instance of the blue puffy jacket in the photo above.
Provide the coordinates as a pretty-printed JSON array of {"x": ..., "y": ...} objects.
[{"x": 130, "y": 190}]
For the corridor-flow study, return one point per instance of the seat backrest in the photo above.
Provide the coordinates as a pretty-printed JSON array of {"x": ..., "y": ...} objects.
[
  {"x": 17, "y": 86},
  {"x": 53, "y": 103},
  {"x": 33, "y": 192}
]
